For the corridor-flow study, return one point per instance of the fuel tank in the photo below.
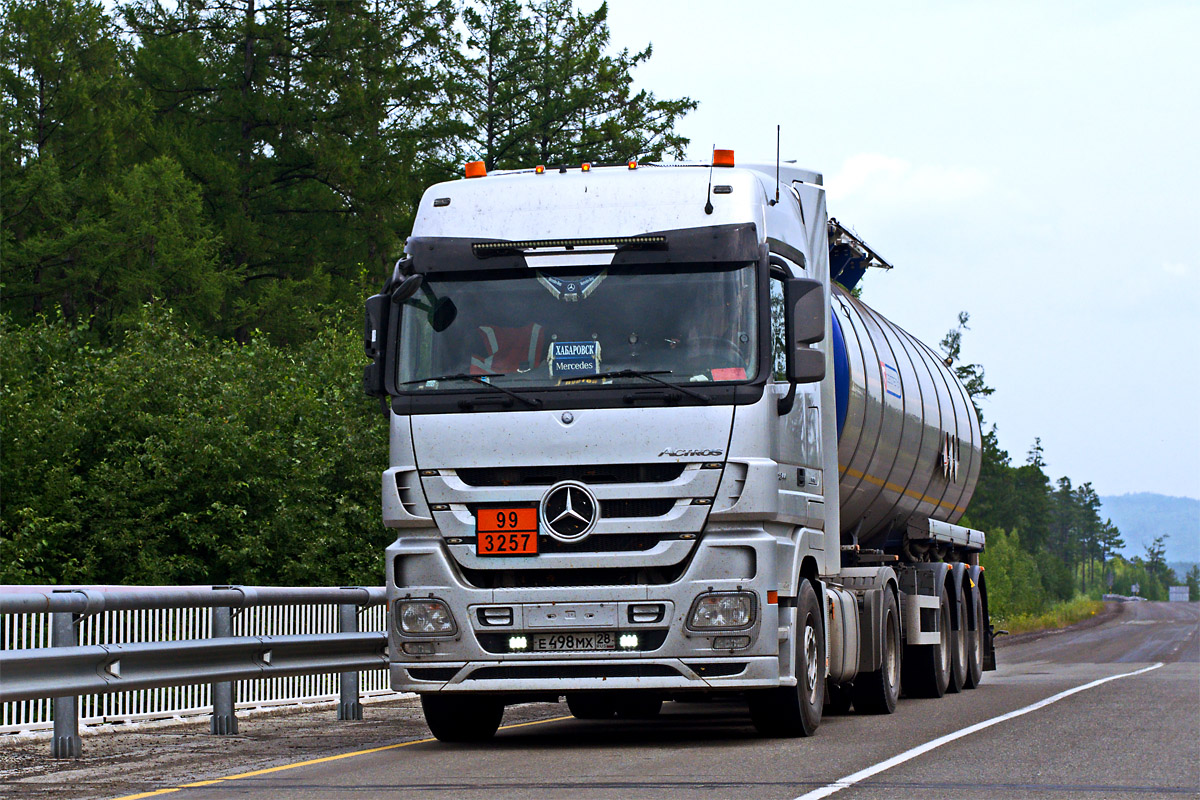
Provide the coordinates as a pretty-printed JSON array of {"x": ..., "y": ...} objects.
[{"x": 909, "y": 443}]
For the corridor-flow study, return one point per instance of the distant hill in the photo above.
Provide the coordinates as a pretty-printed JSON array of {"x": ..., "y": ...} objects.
[{"x": 1144, "y": 516}]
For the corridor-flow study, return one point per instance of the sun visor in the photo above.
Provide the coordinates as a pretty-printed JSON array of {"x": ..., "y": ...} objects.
[{"x": 716, "y": 244}]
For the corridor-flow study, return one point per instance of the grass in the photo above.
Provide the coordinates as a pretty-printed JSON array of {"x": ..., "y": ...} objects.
[{"x": 1060, "y": 615}]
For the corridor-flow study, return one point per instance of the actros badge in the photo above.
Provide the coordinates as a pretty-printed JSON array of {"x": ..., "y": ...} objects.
[{"x": 569, "y": 510}]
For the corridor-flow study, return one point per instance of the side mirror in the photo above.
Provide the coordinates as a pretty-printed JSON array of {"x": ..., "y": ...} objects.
[
  {"x": 377, "y": 319},
  {"x": 804, "y": 321}
]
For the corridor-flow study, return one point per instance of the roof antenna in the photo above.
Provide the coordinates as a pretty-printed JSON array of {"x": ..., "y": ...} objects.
[
  {"x": 776, "y": 200},
  {"x": 708, "y": 206}
]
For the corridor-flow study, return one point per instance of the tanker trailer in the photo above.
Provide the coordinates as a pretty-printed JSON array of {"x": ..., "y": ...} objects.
[{"x": 645, "y": 445}]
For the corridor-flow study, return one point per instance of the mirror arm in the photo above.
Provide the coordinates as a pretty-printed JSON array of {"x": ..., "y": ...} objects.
[{"x": 785, "y": 403}]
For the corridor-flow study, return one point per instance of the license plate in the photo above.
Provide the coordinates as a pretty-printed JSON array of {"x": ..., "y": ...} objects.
[
  {"x": 506, "y": 532},
  {"x": 544, "y": 642}
]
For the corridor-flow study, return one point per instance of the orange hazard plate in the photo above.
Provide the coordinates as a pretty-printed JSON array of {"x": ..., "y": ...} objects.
[{"x": 506, "y": 532}]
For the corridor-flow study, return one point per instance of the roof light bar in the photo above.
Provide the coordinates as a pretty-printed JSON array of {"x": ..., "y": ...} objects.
[{"x": 483, "y": 249}]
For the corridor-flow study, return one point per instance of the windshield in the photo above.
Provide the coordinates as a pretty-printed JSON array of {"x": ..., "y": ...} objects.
[{"x": 542, "y": 328}]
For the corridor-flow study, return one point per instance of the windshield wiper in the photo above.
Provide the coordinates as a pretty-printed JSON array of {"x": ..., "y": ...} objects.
[
  {"x": 467, "y": 376},
  {"x": 647, "y": 374}
]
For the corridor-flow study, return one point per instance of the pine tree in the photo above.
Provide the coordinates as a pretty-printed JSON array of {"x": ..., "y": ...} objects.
[{"x": 541, "y": 88}]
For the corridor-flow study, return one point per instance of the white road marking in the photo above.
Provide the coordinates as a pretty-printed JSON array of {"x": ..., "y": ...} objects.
[{"x": 908, "y": 755}]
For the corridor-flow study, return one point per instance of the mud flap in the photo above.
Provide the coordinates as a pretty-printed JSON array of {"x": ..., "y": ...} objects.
[{"x": 989, "y": 649}]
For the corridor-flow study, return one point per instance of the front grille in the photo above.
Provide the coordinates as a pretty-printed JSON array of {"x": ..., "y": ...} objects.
[
  {"x": 498, "y": 642},
  {"x": 605, "y": 543},
  {"x": 547, "y": 475},
  {"x": 596, "y": 576},
  {"x": 654, "y": 507},
  {"x": 575, "y": 671}
]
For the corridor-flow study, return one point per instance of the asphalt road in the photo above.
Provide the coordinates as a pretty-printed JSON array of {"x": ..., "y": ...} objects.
[{"x": 1130, "y": 736}]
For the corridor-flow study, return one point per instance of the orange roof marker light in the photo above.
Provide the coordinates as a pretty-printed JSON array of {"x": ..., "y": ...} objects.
[
  {"x": 722, "y": 158},
  {"x": 475, "y": 169},
  {"x": 586, "y": 167},
  {"x": 633, "y": 163},
  {"x": 539, "y": 169}
]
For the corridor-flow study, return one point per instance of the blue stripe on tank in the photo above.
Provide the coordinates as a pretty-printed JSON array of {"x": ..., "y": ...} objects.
[{"x": 841, "y": 375}]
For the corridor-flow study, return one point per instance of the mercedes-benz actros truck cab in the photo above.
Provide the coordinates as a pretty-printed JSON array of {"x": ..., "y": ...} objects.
[{"x": 646, "y": 445}]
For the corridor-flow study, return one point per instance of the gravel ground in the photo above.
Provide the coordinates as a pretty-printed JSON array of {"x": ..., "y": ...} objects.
[{"x": 138, "y": 758}]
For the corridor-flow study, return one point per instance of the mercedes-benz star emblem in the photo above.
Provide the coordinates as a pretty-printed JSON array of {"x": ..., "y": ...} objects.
[{"x": 569, "y": 510}]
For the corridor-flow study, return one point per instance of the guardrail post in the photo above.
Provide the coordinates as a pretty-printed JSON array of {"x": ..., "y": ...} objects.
[
  {"x": 224, "y": 719},
  {"x": 66, "y": 742},
  {"x": 350, "y": 706}
]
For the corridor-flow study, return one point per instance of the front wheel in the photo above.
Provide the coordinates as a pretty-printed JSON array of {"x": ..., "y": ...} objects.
[
  {"x": 796, "y": 710},
  {"x": 465, "y": 718},
  {"x": 638, "y": 705},
  {"x": 591, "y": 705}
]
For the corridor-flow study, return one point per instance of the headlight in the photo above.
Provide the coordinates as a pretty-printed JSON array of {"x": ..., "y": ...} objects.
[
  {"x": 425, "y": 618},
  {"x": 724, "y": 611}
]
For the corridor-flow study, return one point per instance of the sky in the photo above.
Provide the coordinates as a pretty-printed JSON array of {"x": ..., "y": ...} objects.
[{"x": 1035, "y": 164}]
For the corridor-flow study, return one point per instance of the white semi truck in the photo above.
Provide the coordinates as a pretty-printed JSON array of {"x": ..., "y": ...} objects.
[{"x": 646, "y": 446}]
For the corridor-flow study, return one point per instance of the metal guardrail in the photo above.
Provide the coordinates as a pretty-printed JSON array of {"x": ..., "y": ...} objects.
[{"x": 67, "y": 670}]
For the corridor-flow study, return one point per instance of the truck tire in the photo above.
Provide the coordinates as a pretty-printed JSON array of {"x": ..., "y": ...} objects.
[
  {"x": 877, "y": 692},
  {"x": 466, "y": 718},
  {"x": 926, "y": 670},
  {"x": 638, "y": 705},
  {"x": 958, "y": 643},
  {"x": 592, "y": 705},
  {"x": 975, "y": 641},
  {"x": 796, "y": 710}
]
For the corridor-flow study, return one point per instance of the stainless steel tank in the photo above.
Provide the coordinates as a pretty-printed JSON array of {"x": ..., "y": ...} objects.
[{"x": 909, "y": 443}]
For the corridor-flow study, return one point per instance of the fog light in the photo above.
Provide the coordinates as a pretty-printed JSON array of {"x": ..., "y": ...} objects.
[
  {"x": 724, "y": 610},
  {"x": 425, "y": 618},
  {"x": 418, "y": 648},
  {"x": 730, "y": 642},
  {"x": 628, "y": 641},
  {"x": 517, "y": 643}
]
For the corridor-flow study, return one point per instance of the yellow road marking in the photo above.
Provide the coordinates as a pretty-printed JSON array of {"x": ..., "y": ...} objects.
[
  {"x": 894, "y": 487},
  {"x": 310, "y": 762}
]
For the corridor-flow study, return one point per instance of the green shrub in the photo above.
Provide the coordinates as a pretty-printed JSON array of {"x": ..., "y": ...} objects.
[{"x": 173, "y": 458}]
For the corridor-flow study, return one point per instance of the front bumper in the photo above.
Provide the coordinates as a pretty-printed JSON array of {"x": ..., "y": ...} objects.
[{"x": 673, "y": 657}]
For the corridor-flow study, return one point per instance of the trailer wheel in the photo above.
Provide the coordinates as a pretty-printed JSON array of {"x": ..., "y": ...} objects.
[
  {"x": 591, "y": 705},
  {"x": 958, "y": 645},
  {"x": 975, "y": 642},
  {"x": 877, "y": 692},
  {"x": 467, "y": 718},
  {"x": 796, "y": 710},
  {"x": 927, "y": 667}
]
